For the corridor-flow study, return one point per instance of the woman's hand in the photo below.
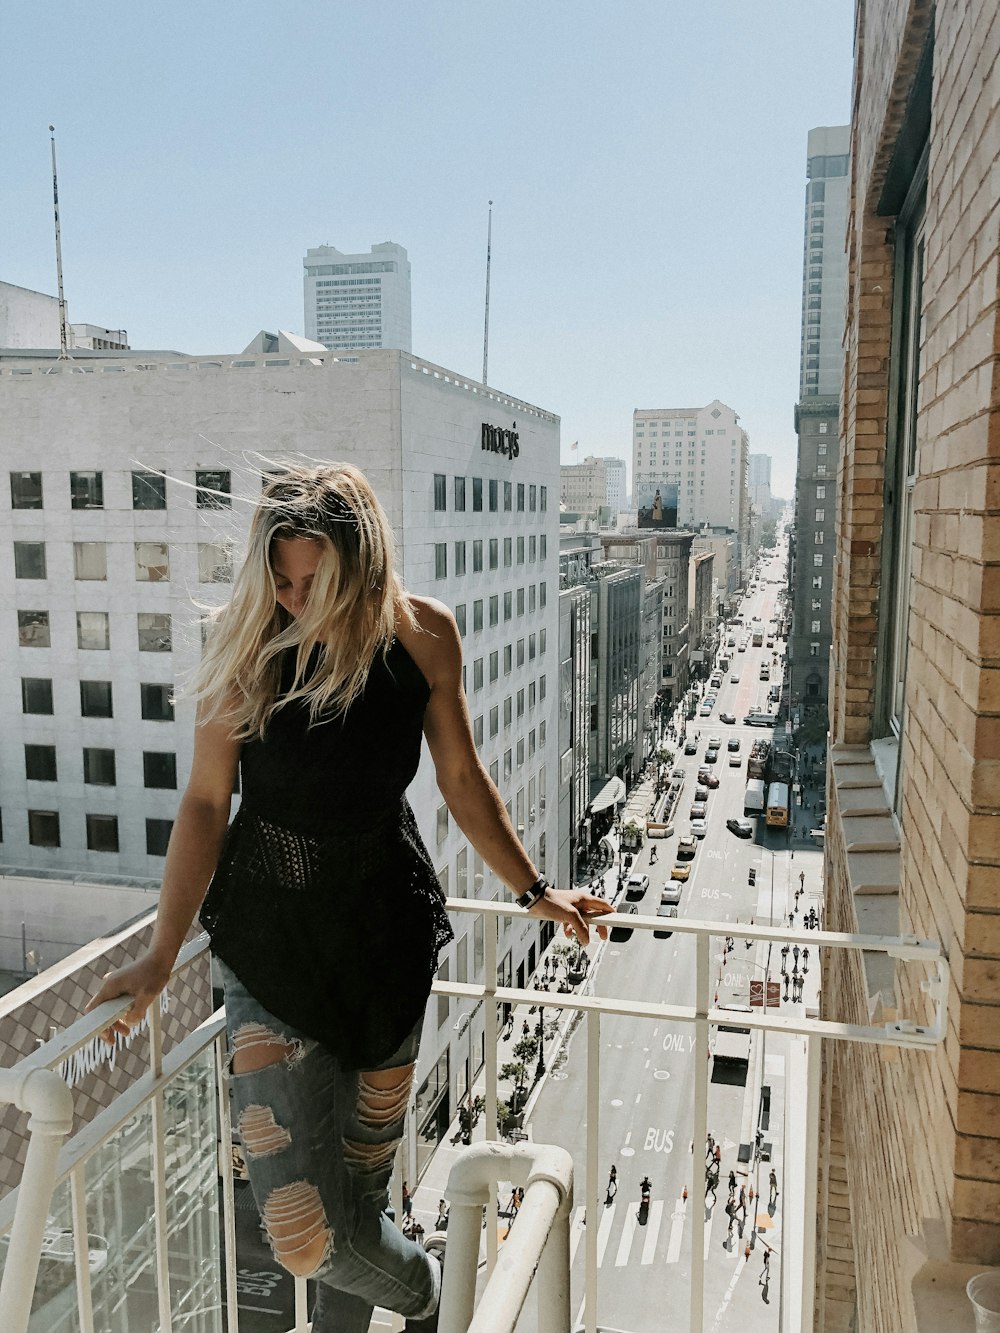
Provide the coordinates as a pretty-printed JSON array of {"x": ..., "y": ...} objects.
[
  {"x": 143, "y": 980},
  {"x": 572, "y": 908}
]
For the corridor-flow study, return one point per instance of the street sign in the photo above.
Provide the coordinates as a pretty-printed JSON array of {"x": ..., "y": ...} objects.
[{"x": 757, "y": 994}]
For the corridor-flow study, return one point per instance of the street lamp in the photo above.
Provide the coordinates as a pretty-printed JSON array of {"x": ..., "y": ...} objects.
[
  {"x": 463, "y": 1025},
  {"x": 540, "y": 1067}
]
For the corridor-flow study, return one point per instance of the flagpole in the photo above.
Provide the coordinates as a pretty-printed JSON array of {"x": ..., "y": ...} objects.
[
  {"x": 63, "y": 329},
  {"x": 486, "y": 324}
]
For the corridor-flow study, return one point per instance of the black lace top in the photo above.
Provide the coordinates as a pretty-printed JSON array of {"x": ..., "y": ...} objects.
[{"x": 325, "y": 902}]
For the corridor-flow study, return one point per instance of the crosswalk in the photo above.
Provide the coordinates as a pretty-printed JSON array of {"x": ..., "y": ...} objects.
[{"x": 622, "y": 1240}]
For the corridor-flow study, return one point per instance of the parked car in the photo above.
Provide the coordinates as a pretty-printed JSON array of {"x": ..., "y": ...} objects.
[
  {"x": 741, "y": 648},
  {"x": 677, "y": 775},
  {"x": 734, "y": 678},
  {"x": 621, "y": 933},
  {"x": 733, "y": 743},
  {"x": 668, "y": 912},
  {"x": 698, "y": 828},
  {"x": 735, "y": 760},
  {"x": 691, "y": 746},
  {"x": 741, "y": 827},
  {"x": 711, "y": 756},
  {"x": 714, "y": 743},
  {"x": 701, "y": 793},
  {"x": 706, "y": 778},
  {"x": 705, "y": 710},
  {"x": 686, "y": 845},
  {"x": 728, "y": 718},
  {"x": 636, "y": 886},
  {"x": 699, "y": 810}
]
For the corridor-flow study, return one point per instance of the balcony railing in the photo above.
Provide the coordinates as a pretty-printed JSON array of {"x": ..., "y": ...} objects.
[{"x": 75, "y": 1242}]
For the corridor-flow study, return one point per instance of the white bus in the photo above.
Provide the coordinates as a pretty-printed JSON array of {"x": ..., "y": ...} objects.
[
  {"x": 777, "y": 805},
  {"x": 753, "y": 800}
]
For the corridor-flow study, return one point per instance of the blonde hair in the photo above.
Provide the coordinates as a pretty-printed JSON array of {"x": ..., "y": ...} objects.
[{"x": 350, "y": 614}]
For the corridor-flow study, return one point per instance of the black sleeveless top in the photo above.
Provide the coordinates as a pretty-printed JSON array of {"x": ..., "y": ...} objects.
[{"x": 325, "y": 902}]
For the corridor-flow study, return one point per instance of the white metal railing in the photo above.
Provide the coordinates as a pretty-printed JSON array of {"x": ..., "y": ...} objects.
[{"x": 51, "y": 1161}]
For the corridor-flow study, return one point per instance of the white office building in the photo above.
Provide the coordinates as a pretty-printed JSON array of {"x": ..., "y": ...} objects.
[
  {"x": 358, "y": 301},
  {"x": 703, "y": 451},
  {"x": 102, "y": 556}
]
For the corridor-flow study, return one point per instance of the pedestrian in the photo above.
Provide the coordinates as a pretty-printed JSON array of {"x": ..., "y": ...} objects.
[
  {"x": 710, "y": 1148},
  {"x": 442, "y": 1218},
  {"x": 791, "y": 918},
  {"x": 612, "y": 1181},
  {"x": 765, "y": 1273},
  {"x": 743, "y": 1200},
  {"x": 773, "y": 1183},
  {"x": 407, "y": 1201},
  {"x": 802, "y": 880},
  {"x": 318, "y": 680},
  {"x": 732, "y": 1183},
  {"x": 525, "y": 1030},
  {"x": 718, "y": 1157}
]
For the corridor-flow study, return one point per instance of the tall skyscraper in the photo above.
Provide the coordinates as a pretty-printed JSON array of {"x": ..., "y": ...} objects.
[
  {"x": 759, "y": 484},
  {"x": 696, "y": 457},
  {"x": 355, "y": 301},
  {"x": 824, "y": 278}
]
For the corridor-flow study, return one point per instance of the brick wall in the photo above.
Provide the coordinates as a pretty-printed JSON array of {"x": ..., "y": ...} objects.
[{"x": 922, "y": 1152}]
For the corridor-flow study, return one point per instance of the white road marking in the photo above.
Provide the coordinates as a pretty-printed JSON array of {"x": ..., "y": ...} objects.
[
  {"x": 652, "y": 1231},
  {"x": 576, "y": 1230},
  {"x": 604, "y": 1231},
  {"x": 676, "y": 1231},
  {"x": 625, "y": 1244}
]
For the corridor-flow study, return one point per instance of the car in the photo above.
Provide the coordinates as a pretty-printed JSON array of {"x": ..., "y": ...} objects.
[
  {"x": 701, "y": 793},
  {"x": 715, "y": 742},
  {"x": 728, "y": 718},
  {"x": 699, "y": 810},
  {"x": 621, "y": 933},
  {"x": 691, "y": 746},
  {"x": 735, "y": 761},
  {"x": 698, "y": 828},
  {"x": 759, "y": 720},
  {"x": 671, "y": 893},
  {"x": 705, "y": 710},
  {"x": 677, "y": 775},
  {"x": 667, "y": 911},
  {"x": 636, "y": 886},
  {"x": 734, "y": 678},
  {"x": 741, "y": 827},
  {"x": 686, "y": 845},
  {"x": 711, "y": 756},
  {"x": 741, "y": 648},
  {"x": 769, "y": 643},
  {"x": 707, "y": 778},
  {"x": 733, "y": 743}
]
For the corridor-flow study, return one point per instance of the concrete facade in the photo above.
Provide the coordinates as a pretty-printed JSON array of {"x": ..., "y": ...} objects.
[
  {"x": 574, "y": 725},
  {"x": 358, "y": 301},
  {"x": 594, "y": 484},
  {"x": 910, "y": 1146}
]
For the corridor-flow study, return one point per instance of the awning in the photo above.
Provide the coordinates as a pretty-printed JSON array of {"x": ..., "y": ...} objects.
[{"x": 610, "y": 794}]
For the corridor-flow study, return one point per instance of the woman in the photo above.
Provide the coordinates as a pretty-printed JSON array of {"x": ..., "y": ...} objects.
[{"x": 322, "y": 904}]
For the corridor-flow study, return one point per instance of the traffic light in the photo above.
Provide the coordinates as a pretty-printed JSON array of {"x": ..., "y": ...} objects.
[{"x": 752, "y": 878}]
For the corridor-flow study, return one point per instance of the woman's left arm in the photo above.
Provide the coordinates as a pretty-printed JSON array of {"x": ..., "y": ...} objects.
[{"x": 467, "y": 788}]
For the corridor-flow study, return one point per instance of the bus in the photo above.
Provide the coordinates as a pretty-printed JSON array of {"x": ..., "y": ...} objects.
[
  {"x": 753, "y": 799},
  {"x": 777, "y": 805}
]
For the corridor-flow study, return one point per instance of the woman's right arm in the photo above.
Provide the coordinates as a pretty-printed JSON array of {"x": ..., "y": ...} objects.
[{"x": 192, "y": 856}]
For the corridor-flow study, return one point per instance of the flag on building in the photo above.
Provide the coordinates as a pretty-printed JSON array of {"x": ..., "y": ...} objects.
[{"x": 573, "y": 446}]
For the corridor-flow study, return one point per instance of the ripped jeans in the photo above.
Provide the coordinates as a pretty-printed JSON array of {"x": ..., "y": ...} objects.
[{"x": 319, "y": 1143}]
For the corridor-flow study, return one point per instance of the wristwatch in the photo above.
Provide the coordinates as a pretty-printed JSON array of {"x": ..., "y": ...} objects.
[{"x": 532, "y": 895}]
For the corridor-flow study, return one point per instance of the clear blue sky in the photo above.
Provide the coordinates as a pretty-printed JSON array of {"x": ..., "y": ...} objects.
[{"x": 647, "y": 163}]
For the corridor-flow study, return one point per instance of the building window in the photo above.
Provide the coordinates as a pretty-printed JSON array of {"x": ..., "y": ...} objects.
[
  {"x": 214, "y": 490},
  {"x": 531, "y": 647},
  {"x": 494, "y": 665},
  {"x": 494, "y": 553},
  {"x": 159, "y": 769},
  {"x": 458, "y": 494},
  {"x": 819, "y": 538},
  {"x": 477, "y": 674},
  {"x": 29, "y": 560},
  {"x": 96, "y": 698},
  {"x": 493, "y": 488},
  {"x": 508, "y": 489},
  {"x": 494, "y": 721},
  {"x": 820, "y": 494},
  {"x": 520, "y": 497},
  {"x": 818, "y": 560},
  {"x": 817, "y": 581},
  {"x": 26, "y": 490},
  {"x": 520, "y": 652},
  {"x": 820, "y": 516},
  {"x": 102, "y": 833},
  {"x": 158, "y": 836},
  {"x": 156, "y": 703},
  {"x": 532, "y": 498},
  {"x": 459, "y": 558},
  {"x": 215, "y": 563},
  {"x": 541, "y": 643},
  {"x": 531, "y": 597},
  {"x": 520, "y": 601},
  {"x": 477, "y": 731},
  {"x": 494, "y": 610},
  {"x": 90, "y": 561},
  {"x": 149, "y": 491},
  {"x": 460, "y": 618},
  {"x": 33, "y": 629},
  {"x": 477, "y": 495},
  {"x": 440, "y": 560},
  {"x": 92, "y": 631},
  {"x": 36, "y": 695},
  {"x": 508, "y": 552},
  {"x": 43, "y": 828},
  {"x": 99, "y": 766},
  {"x": 477, "y": 557},
  {"x": 814, "y": 650},
  {"x": 823, "y": 427},
  {"x": 86, "y": 490},
  {"x": 543, "y": 495},
  {"x": 508, "y": 659},
  {"x": 154, "y": 632},
  {"x": 442, "y": 823},
  {"x": 477, "y": 615},
  {"x": 40, "y": 763},
  {"x": 508, "y": 605},
  {"x": 152, "y": 562},
  {"x": 440, "y": 492},
  {"x": 532, "y": 548},
  {"x": 816, "y": 627},
  {"x": 541, "y": 597},
  {"x": 542, "y": 541}
]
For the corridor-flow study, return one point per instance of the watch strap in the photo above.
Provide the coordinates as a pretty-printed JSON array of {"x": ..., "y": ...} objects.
[{"x": 532, "y": 895}]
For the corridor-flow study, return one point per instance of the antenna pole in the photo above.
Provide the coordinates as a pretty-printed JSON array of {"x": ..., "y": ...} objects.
[
  {"x": 63, "y": 322},
  {"x": 486, "y": 325}
]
